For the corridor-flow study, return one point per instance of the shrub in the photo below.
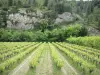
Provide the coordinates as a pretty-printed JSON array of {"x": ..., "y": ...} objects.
[
  {"x": 92, "y": 41},
  {"x": 73, "y": 30},
  {"x": 43, "y": 34},
  {"x": 83, "y": 31}
]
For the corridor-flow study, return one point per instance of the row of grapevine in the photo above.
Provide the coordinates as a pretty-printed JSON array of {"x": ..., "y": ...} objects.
[
  {"x": 85, "y": 66},
  {"x": 14, "y": 52},
  {"x": 11, "y": 47},
  {"x": 56, "y": 56},
  {"x": 95, "y": 60},
  {"x": 91, "y": 51},
  {"x": 13, "y": 60},
  {"x": 37, "y": 55},
  {"x": 92, "y": 41},
  {"x": 86, "y": 59}
]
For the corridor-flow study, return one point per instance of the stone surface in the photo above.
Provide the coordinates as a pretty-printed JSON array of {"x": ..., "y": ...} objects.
[
  {"x": 26, "y": 21},
  {"x": 65, "y": 17}
]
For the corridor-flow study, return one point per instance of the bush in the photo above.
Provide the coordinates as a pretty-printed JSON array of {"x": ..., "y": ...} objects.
[
  {"x": 40, "y": 36},
  {"x": 50, "y": 14},
  {"x": 92, "y": 41},
  {"x": 73, "y": 30},
  {"x": 83, "y": 31},
  {"x": 14, "y": 36},
  {"x": 94, "y": 18},
  {"x": 6, "y": 36},
  {"x": 44, "y": 34},
  {"x": 13, "y": 9},
  {"x": 43, "y": 24}
]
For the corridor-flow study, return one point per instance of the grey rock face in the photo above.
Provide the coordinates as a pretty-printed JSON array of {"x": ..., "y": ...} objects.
[
  {"x": 93, "y": 32},
  {"x": 25, "y": 22},
  {"x": 65, "y": 17}
]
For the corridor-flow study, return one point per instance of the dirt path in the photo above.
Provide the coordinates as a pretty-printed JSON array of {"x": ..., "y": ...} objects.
[
  {"x": 45, "y": 65},
  {"x": 67, "y": 69},
  {"x": 23, "y": 67}
]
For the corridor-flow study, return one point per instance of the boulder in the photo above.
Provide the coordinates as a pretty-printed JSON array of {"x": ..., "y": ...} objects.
[{"x": 65, "y": 17}]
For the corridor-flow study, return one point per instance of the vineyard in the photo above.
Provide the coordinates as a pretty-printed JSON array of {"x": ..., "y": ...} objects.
[
  {"x": 49, "y": 37},
  {"x": 56, "y": 58}
]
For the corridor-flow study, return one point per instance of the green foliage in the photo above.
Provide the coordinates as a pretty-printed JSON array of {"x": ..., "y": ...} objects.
[
  {"x": 3, "y": 17},
  {"x": 7, "y": 35},
  {"x": 94, "y": 18},
  {"x": 50, "y": 14},
  {"x": 46, "y": 3},
  {"x": 38, "y": 54},
  {"x": 67, "y": 7},
  {"x": 10, "y": 2},
  {"x": 85, "y": 66},
  {"x": 93, "y": 41},
  {"x": 15, "y": 59},
  {"x": 44, "y": 34},
  {"x": 43, "y": 24},
  {"x": 73, "y": 30},
  {"x": 83, "y": 31},
  {"x": 19, "y": 4},
  {"x": 84, "y": 51},
  {"x": 59, "y": 7},
  {"x": 13, "y": 9},
  {"x": 55, "y": 55},
  {"x": 84, "y": 59},
  {"x": 40, "y": 2},
  {"x": 30, "y": 9},
  {"x": 40, "y": 36}
]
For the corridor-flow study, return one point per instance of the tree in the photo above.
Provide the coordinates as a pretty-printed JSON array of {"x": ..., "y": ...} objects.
[
  {"x": 46, "y": 3},
  {"x": 94, "y": 18},
  {"x": 43, "y": 24},
  {"x": 14, "y": 10},
  {"x": 10, "y": 2},
  {"x": 67, "y": 7},
  {"x": 83, "y": 31},
  {"x": 59, "y": 7},
  {"x": 19, "y": 4},
  {"x": 3, "y": 15}
]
